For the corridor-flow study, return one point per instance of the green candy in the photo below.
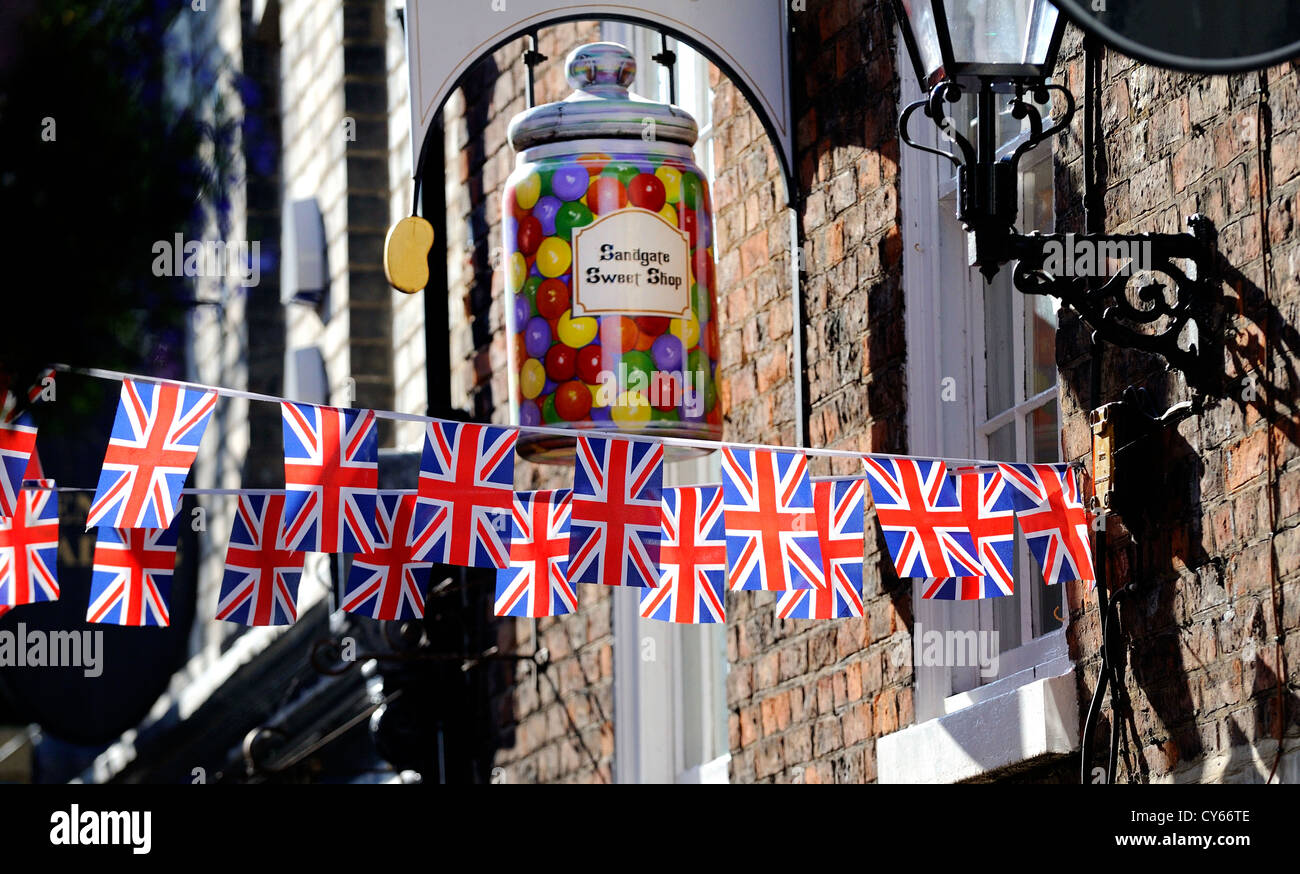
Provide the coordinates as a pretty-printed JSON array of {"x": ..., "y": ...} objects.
[
  {"x": 658, "y": 415},
  {"x": 638, "y": 362},
  {"x": 549, "y": 414},
  {"x": 698, "y": 362},
  {"x": 572, "y": 215},
  {"x": 625, "y": 173},
  {"x": 692, "y": 190},
  {"x": 546, "y": 176},
  {"x": 529, "y": 292}
]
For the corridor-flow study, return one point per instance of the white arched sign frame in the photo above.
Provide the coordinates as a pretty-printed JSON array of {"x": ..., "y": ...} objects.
[{"x": 747, "y": 39}]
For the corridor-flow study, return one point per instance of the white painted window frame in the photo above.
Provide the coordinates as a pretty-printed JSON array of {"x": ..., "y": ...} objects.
[{"x": 933, "y": 282}]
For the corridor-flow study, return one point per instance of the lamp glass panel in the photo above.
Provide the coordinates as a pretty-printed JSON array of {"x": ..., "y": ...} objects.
[
  {"x": 920, "y": 18},
  {"x": 1000, "y": 31}
]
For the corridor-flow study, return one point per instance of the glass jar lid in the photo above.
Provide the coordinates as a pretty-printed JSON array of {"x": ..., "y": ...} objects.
[{"x": 601, "y": 107}]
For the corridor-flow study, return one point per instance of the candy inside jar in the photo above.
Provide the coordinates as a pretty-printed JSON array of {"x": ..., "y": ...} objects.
[{"x": 610, "y": 272}]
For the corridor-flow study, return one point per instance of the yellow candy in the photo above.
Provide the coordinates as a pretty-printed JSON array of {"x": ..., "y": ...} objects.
[
  {"x": 577, "y": 333},
  {"x": 528, "y": 191},
  {"x": 669, "y": 212},
  {"x": 671, "y": 177},
  {"x": 532, "y": 378},
  {"x": 517, "y": 272},
  {"x": 596, "y": 399},
  {"x": 554, "y": 257},
  {"x": 687, "y": 329},
  {"x": 632, "y": 410}
]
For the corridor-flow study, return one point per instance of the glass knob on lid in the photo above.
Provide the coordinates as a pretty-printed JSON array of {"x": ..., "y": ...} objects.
[{"x": 601, "y": 67}]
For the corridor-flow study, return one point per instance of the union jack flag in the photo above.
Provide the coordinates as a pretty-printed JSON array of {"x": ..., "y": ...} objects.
[
  {"x": 155, "y": 438},
  {"x": 1054, "y": 520},
  {"x": 771, "y": 523},
  {"x": 131, "y": 580},
  {"x": 331, "y": 471},
  {"x": 923, "y": 523},
  {"x": 692, "y": 559},
  {"x": 839, "y": 508},
  {"x": 17, "y": 444},
  {"x": 536, "y": 582},
  {"x": 614, "y": 530},
  {"x": 467, "y": 480},
  {"x": 990, "y": 503},
  {"x": 260, "y": 586},
  {"x": 29, "y": 547},
  {"x": 388, "y": 582}
]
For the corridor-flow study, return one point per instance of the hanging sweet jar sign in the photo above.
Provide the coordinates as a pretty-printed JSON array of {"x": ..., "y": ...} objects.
[{"x": 610, "y": 276}]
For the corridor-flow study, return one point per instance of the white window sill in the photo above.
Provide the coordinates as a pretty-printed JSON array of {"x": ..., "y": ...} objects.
[{"x": 1035, "y": 719}]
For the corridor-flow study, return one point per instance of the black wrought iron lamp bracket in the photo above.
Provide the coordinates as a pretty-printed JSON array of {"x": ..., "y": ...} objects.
[{"x": 1163, "y": 318}]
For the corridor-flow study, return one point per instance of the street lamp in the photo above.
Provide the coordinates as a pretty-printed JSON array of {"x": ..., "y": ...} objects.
[{"x": 1005, "y": 50}]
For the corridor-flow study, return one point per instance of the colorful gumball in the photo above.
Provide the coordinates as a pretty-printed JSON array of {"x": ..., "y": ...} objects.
[
  {"x": 601, "y": 415},
  {"x": 571, "y": 217},
  {"x": 606, "y": 194},
  {"x": 537, "y": 337},
  {"x": 554, "y": 257},
  {"x": 692, "y": 191},
  {"x": 595, "y": 162},
  {"x": 652, "y": 325},
  {"x": 516, "y": 272},
  {"x": 646, "y": 191},
  {"x": 669, "y": 213},
  {"x": 570, "y": 182},
  {"x": 631, "y": 411},
  {"x": 529, "y": 414},
  {"x": 700, "y": 302},
  {"x": 636, "y": 369},
  {"x": 590, "y": 364},
  {"x": 671, "y": 177},
  {"x": 550, "y": 386},
  {"x": 618, "y": 332},
  {"x": 530, "y": 235},
  {"x": 521, "y": 349},
  {"x": 643, "y": 342},
  {"x": 561, "y": 362},
  {"x": 521, "y": 309},
  {"x": 545, "y": 212},
  {"x": 532, "y": 378},
  {"x": 666, "y": 392},
  {"x": 528, "y": 191},
  {"x": 698, "y": 363},
  {"x": 687, "y": 330},
  {"x": 573, "y": 401},
  {"x": 667, "y": 352},
  {"x": 691, "y": 225},
  {"x": 550, "y": 415},
  {"x": 577, "y": 332},
  {"x": 552, "y": 298},
  {"x": 664, "y": 414}
]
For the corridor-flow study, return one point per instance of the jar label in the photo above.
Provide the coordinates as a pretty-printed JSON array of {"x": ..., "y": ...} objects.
[{"x": 631, "y": 262}]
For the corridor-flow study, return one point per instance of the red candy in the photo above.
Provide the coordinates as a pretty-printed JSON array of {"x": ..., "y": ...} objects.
[
  {"x": 647, "y": 192},
  {"x": 561, "y": 362},
  {"x": 552, "y": 298},
  {"x": 669, "y": 393},
  {"x": 606, "y": 195},
  {"x": 589, "y": 364},
  {"x": 644, "y": 342},
  {"x": 573, "y": 401},
  {"x": 530, "y": 236},
  {"x": 652, "y": 325},
  {"x": 691, "y": 225}
]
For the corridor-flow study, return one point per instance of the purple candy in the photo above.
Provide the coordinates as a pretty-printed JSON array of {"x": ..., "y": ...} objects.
[
  {"x": 537, "y": 337},
  {"x": 529, "y": 415},
  {"x": 667, "y": 352},
  {"x": 549, "y": 387},
  {"x": 545, "y": 212},
  {"x": 600, "y": 414},
  {"x": 521, "y": 311},
  {"x": 570, "y": 182}
]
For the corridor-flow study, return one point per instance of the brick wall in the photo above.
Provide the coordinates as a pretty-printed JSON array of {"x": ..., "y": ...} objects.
[
  {"x": 1209, "y": 554},
  {"x": 806, "y": 699}
]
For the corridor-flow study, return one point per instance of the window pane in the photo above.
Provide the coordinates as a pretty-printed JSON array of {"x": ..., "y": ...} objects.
[
  {"x": 1001, "y": 32},
  {"x": 999, "y": 354},
  {"x": 1045, "y": 434},
  {"x": 1051, "y": 612},
  {"x": 1002, "y": 443},
  {"x": 1040, "y": 344}
]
